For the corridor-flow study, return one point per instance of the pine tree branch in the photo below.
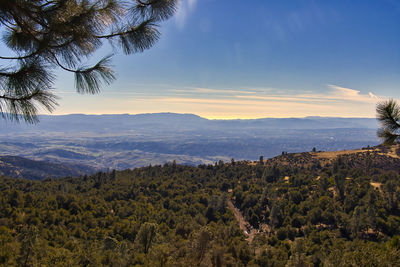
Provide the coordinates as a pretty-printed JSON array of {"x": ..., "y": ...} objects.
[
  {"x": 61, "y": 65},
  {"x": 388, "y": 114},
  {"x": 7, "y": 24},
  {"x": 88, "y": 80},
  {"x": 20, "y": 57},
  {"x": 132, "y": 29},
  {"x": 47, "y": 3},
  {"x": 25, "y": 106},
  {"x": 136, "y": 38},
  {"x": 21, "y": 98},
  {"x": 144, "y": 3},
  {"x": 44, "y": 34},
  {"x": 387, "y": 136},
  {"x": 156, "y": 9}
]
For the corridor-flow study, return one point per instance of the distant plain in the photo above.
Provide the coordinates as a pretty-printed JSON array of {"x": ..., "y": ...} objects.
[{"x": 104, "y": 142}]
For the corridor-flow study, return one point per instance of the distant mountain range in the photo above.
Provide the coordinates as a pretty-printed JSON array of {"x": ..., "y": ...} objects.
[
  {"x": 124, "y": 141},
  {"x": 178, "y": 122}
]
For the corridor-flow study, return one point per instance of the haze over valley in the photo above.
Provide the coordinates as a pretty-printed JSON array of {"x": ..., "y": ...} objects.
[{"x": 101, "y": 142}]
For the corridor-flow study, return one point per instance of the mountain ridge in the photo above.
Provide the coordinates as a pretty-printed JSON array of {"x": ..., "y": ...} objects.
[{"x": 177, "y": 121}]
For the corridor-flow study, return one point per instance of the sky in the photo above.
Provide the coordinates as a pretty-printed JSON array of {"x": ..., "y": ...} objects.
[{"x": 224, "y": 59}]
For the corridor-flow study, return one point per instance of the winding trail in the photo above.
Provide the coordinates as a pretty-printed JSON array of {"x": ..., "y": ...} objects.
[{"x": 244, "y": 225}]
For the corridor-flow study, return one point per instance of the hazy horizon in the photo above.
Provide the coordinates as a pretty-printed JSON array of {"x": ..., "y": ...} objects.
[{"x": 206, "y": 117}]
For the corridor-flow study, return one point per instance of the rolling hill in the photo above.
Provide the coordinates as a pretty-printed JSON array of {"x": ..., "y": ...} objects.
[{"x": 19, "y": 167}]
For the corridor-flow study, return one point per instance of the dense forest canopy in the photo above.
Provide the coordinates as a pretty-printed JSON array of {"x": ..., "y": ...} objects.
[{"x": 297, "y": 210}]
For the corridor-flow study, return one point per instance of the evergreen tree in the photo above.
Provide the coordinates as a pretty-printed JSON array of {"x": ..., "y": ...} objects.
[
  {"x": 298, "y": 257},
  {"x": 371, "y": 217},
  {"x": 201, "y": 244},
  {"x": 44, "y": 35},
  {"x": 274, "y": 215},
  {"x": 388, "y": 114},
  {"x": 340, "y": 180},
  {"x": 28, "y": 246},
  {"x": 146, "y": 235},
  {"x": 356, "y": 222}
]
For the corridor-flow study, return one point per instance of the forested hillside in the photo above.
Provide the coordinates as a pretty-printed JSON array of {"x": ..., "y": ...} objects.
[
  {"x": 306, "y": 209},
  {"x": 19, "y": 167}
]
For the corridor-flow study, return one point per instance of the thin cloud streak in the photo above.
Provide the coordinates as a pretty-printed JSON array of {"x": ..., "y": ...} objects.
[
  {"x": 339, "y": 101},
  {"x": 353, "y": 95},
  {"x": 185, "y": 8},
  {"x": 209, "y": 90},
  {"x": 241, "y": 104},
  {"x": 241, "y": 108},
  {"x": 336, "y": 94}
]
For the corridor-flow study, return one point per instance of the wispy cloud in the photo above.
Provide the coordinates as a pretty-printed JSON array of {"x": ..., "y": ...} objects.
[
  {"x": 223, "y": 103},
  {"x": 195, "y": 90},
  {"x": 352, "y": 95},
  {"x": 242, "y": 103},
  {"x": 335, "y": 94},
  {"x": 185, "y": 8}
]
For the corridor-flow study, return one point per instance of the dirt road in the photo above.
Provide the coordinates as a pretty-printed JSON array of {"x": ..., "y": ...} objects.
[{"x": 245, "y": 226}]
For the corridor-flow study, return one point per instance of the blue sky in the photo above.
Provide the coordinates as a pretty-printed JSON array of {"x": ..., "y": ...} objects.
[{"x": 258, "y": 58}]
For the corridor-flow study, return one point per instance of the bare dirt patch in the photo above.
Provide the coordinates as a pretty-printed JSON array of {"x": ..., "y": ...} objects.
[
  {"x": 335, "y": 154},
  {"x": 245, "y": 226},
  {"x": 392, "y": 152},
  {"x": 376, "y": 185}
]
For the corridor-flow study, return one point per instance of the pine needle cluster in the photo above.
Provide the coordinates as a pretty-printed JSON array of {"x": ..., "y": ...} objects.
[
  {"x": 45, "y": 35},
  {"x": 388, "y": 115}
]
